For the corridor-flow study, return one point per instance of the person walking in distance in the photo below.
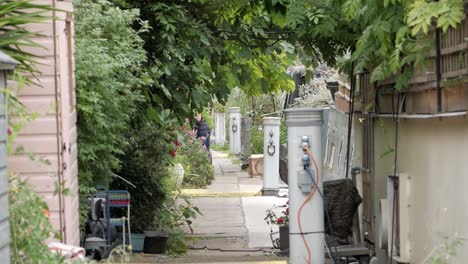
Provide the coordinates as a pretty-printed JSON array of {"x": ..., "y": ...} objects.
[{"x": 203, "y": 132}]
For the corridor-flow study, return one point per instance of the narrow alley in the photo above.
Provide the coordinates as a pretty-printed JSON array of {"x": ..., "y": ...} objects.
[{"x": 232, "y": 228}]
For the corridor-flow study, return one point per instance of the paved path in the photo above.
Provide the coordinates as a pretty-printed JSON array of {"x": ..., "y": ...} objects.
[{"x": 232, "y": 228}]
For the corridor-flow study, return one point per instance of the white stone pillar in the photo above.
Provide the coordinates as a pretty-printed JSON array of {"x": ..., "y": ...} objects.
[
  {"x": 271, "y": 146},
  {"x": 305, "y": 127},
  {"x": 220, "y": 128},
  {"x": 234, "y": 130}
]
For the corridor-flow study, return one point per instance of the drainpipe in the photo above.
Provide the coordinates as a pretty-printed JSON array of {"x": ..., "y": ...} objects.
[
  {"x": 58, "y": 123},
  {"x": 234, "y": 130},
  {"x": 438, "y": 71},
  {"x": 271, "y": 145},
  {"x": 305, "y": 127}
]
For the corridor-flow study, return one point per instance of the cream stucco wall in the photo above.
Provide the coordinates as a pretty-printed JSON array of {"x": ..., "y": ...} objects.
[{"x": 434, "y": 154}]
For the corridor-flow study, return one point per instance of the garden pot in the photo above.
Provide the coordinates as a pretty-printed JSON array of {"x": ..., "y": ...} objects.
[
  {"x": 137, "y": 242},
  {"x": 155, "y": 242},
  {"x": 284, "y": 237}
]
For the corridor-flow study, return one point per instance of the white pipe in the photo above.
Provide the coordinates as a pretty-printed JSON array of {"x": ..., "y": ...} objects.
[
  {"x": 271, "y": 144},
  {"x": 305, "y": 122},
  {"x": 234, "y": 130}
]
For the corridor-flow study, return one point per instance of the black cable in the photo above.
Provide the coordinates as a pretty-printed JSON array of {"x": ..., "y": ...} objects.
[
  {"x": 395, "y": 162},
  {"x": 308, "y": 233},
  {"x": 205, "y": 247}
]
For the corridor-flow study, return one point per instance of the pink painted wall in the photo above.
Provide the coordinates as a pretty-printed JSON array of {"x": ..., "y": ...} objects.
[{"x": 53, "y": 134}]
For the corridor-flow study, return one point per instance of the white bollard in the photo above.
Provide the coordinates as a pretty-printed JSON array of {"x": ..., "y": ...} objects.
[
  {"x": 271, "y": 145},
  {"x": 220, "y": 128},
  {"x": 305, "y": 124},
  {"x": 234, "y": 130}
]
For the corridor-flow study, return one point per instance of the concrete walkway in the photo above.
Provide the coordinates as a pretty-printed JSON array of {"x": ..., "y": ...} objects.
[
  {"x": 232, "y": 228},
  {"x": 234, "y": 207}
]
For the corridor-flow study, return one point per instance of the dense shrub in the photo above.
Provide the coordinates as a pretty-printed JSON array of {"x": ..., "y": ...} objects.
[
  {"x": 145, "y": 164},
  {"x": 196, "y": 162},
  {"x": 109, "y": 58}
]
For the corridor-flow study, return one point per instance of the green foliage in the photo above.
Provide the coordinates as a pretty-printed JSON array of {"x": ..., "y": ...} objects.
[
  {"x": 220, "y": 147},
  {"x": 194, "y": 158},
  {"x": 237, "y": 98},
  {"x": 176, "y": 212},
  {"x": 146, "y": 165},
  {"x": 397, "y": 34},
  {"x": 206, "y": 114},
  {"x": 256, "y": 141},
  {"x": 109, "y": 79},
  {"x": 199, "y": 50},
  {"x": 29, "y": 225},
  {"x": 446, "y": 250},
  {"x": 447, "y": 13},
  {"x": 283, "y": 132},
  {"x": 15, "y": 37}
]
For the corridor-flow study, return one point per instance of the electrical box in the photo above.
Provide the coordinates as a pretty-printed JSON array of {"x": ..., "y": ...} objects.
[
  {"x": 304, "y": 181},
  {"x": 304, "y": 177}
]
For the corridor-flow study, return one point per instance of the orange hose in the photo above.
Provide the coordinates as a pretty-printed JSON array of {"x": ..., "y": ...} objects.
[{"x": 311, "y": 195}]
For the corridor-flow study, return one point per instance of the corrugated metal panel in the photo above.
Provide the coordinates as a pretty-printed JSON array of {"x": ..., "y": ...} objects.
[{"x": 334, "y": 160}]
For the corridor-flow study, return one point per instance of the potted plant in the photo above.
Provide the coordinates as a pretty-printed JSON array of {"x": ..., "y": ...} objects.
[{"x": 280, "y": 220}]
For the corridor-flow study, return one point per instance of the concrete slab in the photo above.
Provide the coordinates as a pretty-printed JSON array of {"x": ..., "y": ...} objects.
[
  {"x": 232, "y": 228},
  {"x": 232, "y": 187},
  {"x": 222, "y": 216},
  {"x": 224, "y": 179}
]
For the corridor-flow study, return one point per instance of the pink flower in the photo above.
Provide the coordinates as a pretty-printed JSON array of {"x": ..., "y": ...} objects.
[
  {"x": 9, "y": 131},
  {"x": 173, "y": 153}
]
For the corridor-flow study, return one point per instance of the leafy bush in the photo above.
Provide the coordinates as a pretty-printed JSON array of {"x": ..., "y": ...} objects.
[
  {"x": 146, "y": 162},
  {"x": 256, "y": 140},
  {"x": 29, "y": 225},
  {"x": 109, "y": 58},
  {"x": 174, "y": 217},
  {"x": 194, "y": 158}
]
